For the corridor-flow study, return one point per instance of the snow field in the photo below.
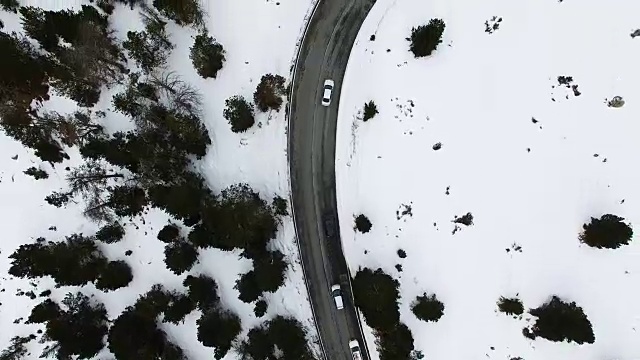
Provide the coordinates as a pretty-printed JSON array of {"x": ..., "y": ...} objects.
[{"x": 529, "y": 184}]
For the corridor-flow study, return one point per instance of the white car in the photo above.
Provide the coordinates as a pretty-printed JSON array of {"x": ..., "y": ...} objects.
[
  {"x": 354, "y": 346},
  {"x": 326, "y": 92},
  {"x": 336, "y": 293}
]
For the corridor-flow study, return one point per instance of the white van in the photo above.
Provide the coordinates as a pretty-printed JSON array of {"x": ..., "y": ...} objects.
[
  {"x": 336, "y": 293},
  {"x": 354, "y": 346}
]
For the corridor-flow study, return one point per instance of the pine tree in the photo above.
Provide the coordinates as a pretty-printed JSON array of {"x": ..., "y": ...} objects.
[
  {"x": 93, "y": 59},
  {"x": 169, "y": 233},
  {"x": 183, "y": 12},
  {"x": 115, "y": 275},
  {"x": 363, "y": 224},
  {"x": 149, "y": 342},
  {"x": 241, "y": 219},
  {"x": 266, "y": 276},
  {"x": 75, "y": 261},
  {"x": 77, "y": 329},
  {"x": 561, "y": 321},
  {"x": 609, "y": 232},
  {"x": 180, "y": 256},
  {"x": 426, "y": 38},
  {"x": 149, "y": 48},
  {"x": 218, "y": 329},
  {"x": 370, "y": 110},
  {"x": 427, "y": 308},
  {"x": 17, "y": 350},
  {"x": 284, "y": 334},
  {"x": 239, "y": 113},
  {"x": 207, "y": 55},
  {"x": 110, "y": 233},
  {"x": 396, "y": 343},
  {"x": 376, "y": 294},
  {"x": 279, "y": 205},
  {"x": 10, "y": 5},
  {"x": 510, "y": 306},
  {"x": 178, "y": 307},
  {"x": 37, "y": 174},
  {"x": 269, "y": 93},
  {"x": 203, "y": 291},
  {"x": 260, "y": 308}
]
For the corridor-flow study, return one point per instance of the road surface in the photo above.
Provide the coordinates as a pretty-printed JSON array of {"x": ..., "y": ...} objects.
[{"x": 312, "y": 133}]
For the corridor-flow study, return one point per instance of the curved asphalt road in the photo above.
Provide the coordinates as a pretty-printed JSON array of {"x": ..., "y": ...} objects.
[{"x": 312, "y": 134}]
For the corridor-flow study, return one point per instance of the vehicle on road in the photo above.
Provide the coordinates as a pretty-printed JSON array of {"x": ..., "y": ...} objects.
[
  {"x": 354, "y": 346},
  {"x": 329, "y": 225},
  {"x": 336, "y": 293},
  {"x": 327, "y": 89}
]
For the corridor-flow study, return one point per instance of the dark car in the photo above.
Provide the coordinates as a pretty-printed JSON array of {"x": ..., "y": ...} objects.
[{"x": 329, "y": 225}]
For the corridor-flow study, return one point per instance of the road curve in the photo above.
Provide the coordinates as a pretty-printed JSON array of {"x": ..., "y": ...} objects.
[{"x": 312, "y": 142}]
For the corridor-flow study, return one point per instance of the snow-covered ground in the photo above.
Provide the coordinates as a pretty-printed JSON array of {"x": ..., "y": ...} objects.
[
  {"x": 531, "y": 170},
  {"x": 259, "y": 37}
]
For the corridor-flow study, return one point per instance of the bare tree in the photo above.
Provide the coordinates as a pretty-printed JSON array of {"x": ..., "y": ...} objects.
[
  {"x": 92, "y": 182},
  {"x": 176, "y": 93},
  {"x": 72, "y": 129}
]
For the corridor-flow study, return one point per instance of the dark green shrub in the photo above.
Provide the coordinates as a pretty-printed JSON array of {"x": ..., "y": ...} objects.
[
  {"x": 426, "y": 38},
  {"x": 427, "y": 308}
]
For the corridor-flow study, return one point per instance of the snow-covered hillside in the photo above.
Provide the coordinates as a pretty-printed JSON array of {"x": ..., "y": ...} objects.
[
  {"x": 531, "y": 159},
  {"x": 259, "y": 37}
]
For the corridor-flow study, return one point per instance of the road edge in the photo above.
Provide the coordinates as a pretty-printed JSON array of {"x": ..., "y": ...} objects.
[{"x": 287, "y": 112}]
